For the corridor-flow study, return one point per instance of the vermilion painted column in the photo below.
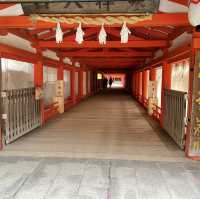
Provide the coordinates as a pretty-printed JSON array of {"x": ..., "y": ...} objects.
[
  {"x": 166, "y": 84},
  {"x": 87, "y": 91},
  {"x": 152, "y": 74},
  {"x": 140, "y": 86},
  {"x": 60, "y": 71},
  {"x": 144, "y": 85},
  {"x": 38, "y": 79},
  {"x": 137, "y": 85},
  {"x": 72, "y": 86},
  {"x": 81, "y": 83}
]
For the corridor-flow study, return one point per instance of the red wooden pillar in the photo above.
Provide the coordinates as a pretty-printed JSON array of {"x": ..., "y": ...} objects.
[
  {"x": 60, "y": 71},
  {"x": 140, "y": 86},
  {"x": 152, "y": 74},
  {"x": 144, "y": 85},
  {"x": 80, "y": 84},
  {"x": 38, "y": 79},
  {"x": 72, "y": 86},
  {"x": 166, "y": 84},
  {"x": 137, "y": 85},
  {"x": 87, "y": 91}
]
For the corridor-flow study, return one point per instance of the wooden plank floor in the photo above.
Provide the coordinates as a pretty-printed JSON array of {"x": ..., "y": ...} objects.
[{"x": 108, "y": 126}]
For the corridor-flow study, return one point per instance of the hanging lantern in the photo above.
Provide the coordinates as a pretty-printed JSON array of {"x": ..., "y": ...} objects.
[
  {"x": 102, "y": 35},
  {"x": 124, "y": 33},
  {"x": 59, "y": 34},
  {"x": 194, "y": 14},
  {"x": 79, "y": 35}
]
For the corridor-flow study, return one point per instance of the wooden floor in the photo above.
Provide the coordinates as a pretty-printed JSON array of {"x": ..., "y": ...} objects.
[{"x": 108, "y": 126}]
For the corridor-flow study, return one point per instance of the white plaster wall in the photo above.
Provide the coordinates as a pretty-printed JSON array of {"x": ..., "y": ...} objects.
[
  {"x": 182, "y": 39},
  {"x": 158, "y": 53},
  {"x": 49, "y": 86},
  {"x": 16, "y": 74},
  {"x": 76, "y": 83},
  {"x": 17, "y": 42},
  {"x": 180, "y": 76},
  {"x": 67, "y": 60},
  {"x": 171, "y": 7},
  {"x": 50, "y": 54},
  {"x": 14, "y": 10},
  {"x": 159, "y": 84},
  {"x": 66, "y": 84}
]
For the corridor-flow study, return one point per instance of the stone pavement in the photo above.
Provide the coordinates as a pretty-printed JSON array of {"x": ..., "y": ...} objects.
[{"x": 64, "y": 178}]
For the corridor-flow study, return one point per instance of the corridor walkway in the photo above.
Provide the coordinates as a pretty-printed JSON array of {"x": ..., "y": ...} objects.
[
  {"x": 98, "y": 135},
  {"x": 108, "y": 126}
]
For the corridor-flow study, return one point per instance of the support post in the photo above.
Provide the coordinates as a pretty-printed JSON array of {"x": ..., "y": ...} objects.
[
  {"x": 137, "y": 85},
  {"x": 166, "y": 84},
  {"x": 192, "y": 148},
  {"x": 38, "y": 80},
  {"x": 152, "y": 74},
  {"x": 81, "y": 84},
  {"x": 140, "y": 86},
  {"x": 144, "y": 85},
  {"x": 72, "y": 86}
]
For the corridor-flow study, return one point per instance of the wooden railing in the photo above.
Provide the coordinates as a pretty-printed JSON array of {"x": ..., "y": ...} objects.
[
  {"x": 50, "y": 111},
  {"x": 157, "y": 112},
  {"x": 145, "y": 102}
]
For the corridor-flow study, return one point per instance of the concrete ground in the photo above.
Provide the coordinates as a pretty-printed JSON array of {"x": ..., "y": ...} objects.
[{"x": 61, "y": 178}]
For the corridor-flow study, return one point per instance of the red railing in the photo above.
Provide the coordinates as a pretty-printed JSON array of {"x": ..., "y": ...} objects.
[
  {"x": 145, "y": 102},
  {"x": 157, "y": 112},
  {"x": 68, "y": 103},
  {"x": 50, "y": 111}
]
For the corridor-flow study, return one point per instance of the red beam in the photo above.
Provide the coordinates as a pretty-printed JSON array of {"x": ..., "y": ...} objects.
[
  {"x": 18, "y": 54},
  {"x": 159, "y": 19},
  {"x": 109, "y": 44},
  {"x": 108, "y": 54},
  {"x": 182, "y": 2}
]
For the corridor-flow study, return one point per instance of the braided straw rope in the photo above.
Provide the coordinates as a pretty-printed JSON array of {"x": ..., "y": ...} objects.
[{"x": 88, "y": 20}]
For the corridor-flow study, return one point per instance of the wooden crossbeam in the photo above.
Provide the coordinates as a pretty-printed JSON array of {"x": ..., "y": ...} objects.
[
  {"x": 108, "y": 54},
  {"x": 109, "y": 44},
  {"x": 159, "y": 19}
]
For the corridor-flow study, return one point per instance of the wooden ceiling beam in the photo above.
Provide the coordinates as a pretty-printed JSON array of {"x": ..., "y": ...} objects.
[
  {"x": 159, "y": 19},
  {"x": 182, "y": 2},
  {"x": 115, "y": 32},
  {"x": 88, "y": 32},
  {"x": 108, "y": 54},
  {"x": 109, "y": 44}
]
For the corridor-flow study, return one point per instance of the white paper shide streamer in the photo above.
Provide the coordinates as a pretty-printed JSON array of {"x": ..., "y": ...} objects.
[
  {"x": 194, "y": 13},
  {"x": 102, "y": 35},
  {"x": 59, "y": 34},
  {"x": 124, "y": 33},
  {"x": 79, "y": 35}
]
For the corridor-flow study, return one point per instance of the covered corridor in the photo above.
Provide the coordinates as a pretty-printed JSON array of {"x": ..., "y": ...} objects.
[
  {"x": 109, "y": 125},
  {"x": 107, "y": 147},
  {"x": 100, "y": 99}
]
